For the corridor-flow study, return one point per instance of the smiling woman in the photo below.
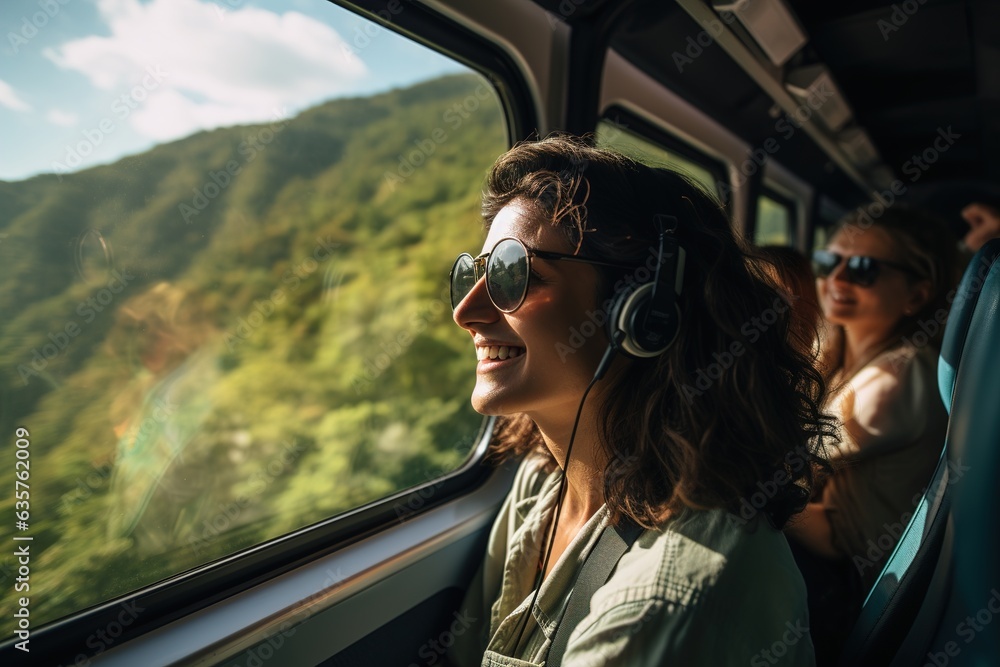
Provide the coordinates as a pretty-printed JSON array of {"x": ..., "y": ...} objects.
[
  {"x": 643, "y": 459},
  {"x": 880, "y": 280}
]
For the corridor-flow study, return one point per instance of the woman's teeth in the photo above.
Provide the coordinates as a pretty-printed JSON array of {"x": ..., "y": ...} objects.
[{"x": 497, "y": 352}]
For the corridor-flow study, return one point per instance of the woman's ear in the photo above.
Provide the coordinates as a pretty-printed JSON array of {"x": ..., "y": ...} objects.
[{"x": 920, "y": 294}]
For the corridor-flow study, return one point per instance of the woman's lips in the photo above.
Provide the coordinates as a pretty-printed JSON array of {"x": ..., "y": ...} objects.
[{"x": 842, "y": 299}]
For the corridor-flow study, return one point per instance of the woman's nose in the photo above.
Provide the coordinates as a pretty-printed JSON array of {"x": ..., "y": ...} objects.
[
  {"x": 476, "y": 307},
  {"x": 839, "y": 272}
]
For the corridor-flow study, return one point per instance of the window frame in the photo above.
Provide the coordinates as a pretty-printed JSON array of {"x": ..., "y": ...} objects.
[{"x": 64, "y": 639}]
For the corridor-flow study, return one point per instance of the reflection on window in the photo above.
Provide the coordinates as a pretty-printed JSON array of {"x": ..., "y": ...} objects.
[
  {"x": 615, "y": 136},
  {"x": 226, "y": 313},
  {"x": 774, "y": 223}
]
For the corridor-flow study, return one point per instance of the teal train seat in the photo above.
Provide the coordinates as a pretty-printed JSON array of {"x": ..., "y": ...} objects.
[
  {"x": 946, "y": 566},
  {"x": 962, "y": 307}
]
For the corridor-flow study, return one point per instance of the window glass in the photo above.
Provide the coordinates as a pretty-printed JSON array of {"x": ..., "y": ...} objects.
[
  {"x": 774, "y": 223},
  {"x": 820, "y": 237},
  {"x": 615, "y": 136},
  {"x": 224, "y": 253}
]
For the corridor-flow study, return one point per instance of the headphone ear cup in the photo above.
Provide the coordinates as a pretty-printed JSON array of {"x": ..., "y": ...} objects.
[{"x": 625, "y": 315}]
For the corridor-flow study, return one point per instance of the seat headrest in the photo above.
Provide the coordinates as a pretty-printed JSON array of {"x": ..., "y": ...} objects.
[{"x": 962, "y": 307}]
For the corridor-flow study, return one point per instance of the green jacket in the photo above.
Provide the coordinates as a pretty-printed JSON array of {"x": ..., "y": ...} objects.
[{"x": 705, "y": 588}]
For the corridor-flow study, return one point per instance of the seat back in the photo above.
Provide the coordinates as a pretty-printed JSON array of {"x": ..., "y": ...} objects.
[
  {"x": 962, "y": 306},
  {"x": 893, "y": 605},
  {"x": 955, "y": 625}
]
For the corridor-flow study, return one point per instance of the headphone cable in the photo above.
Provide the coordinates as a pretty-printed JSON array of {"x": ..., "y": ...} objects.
[{"x": 602, "y": 368}]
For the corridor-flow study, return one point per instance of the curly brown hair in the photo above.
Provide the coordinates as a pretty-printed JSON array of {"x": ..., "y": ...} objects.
[{"x": 731, "y": 409}]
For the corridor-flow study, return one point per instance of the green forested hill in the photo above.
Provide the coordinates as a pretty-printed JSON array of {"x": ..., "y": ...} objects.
[{"x": 237, "y": 334}]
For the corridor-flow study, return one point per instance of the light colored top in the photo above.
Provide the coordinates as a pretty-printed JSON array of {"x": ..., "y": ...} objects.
[
  {"x": 704, "y": 589},
  {"x": 892, "y": 435}
]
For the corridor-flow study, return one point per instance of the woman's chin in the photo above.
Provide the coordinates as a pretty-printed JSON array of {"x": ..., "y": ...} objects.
[
  {"x": 837, "y": 314},
  {"x": 490, "y": 403},
  {"x": 484, "y": 410}
]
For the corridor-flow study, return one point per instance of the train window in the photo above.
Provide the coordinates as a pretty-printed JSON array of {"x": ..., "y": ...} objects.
[
  {"x": 774, "y": 222},
  {"x": 615, "y": 135},
  {"x": 820, "y": 237},
  {"x": 225, "y": 297}
]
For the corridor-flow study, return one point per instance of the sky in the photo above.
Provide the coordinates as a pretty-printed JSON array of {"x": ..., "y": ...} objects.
[{"x": 85, "y": 82}]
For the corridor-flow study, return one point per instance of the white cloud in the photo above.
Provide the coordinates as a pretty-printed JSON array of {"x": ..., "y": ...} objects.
[
  {"x": 221, "y": 68},
  {"x": 60, "y": 117},
  {"x": 10, "y": 99}
]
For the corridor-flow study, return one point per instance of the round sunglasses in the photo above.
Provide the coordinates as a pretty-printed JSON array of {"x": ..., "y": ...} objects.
[
  {"x": 859, "y": 270},
  {"x": 508, "y": 271}
]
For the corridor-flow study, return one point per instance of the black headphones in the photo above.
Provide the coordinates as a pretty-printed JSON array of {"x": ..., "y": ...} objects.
[{"x": 644, "y": 318}]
